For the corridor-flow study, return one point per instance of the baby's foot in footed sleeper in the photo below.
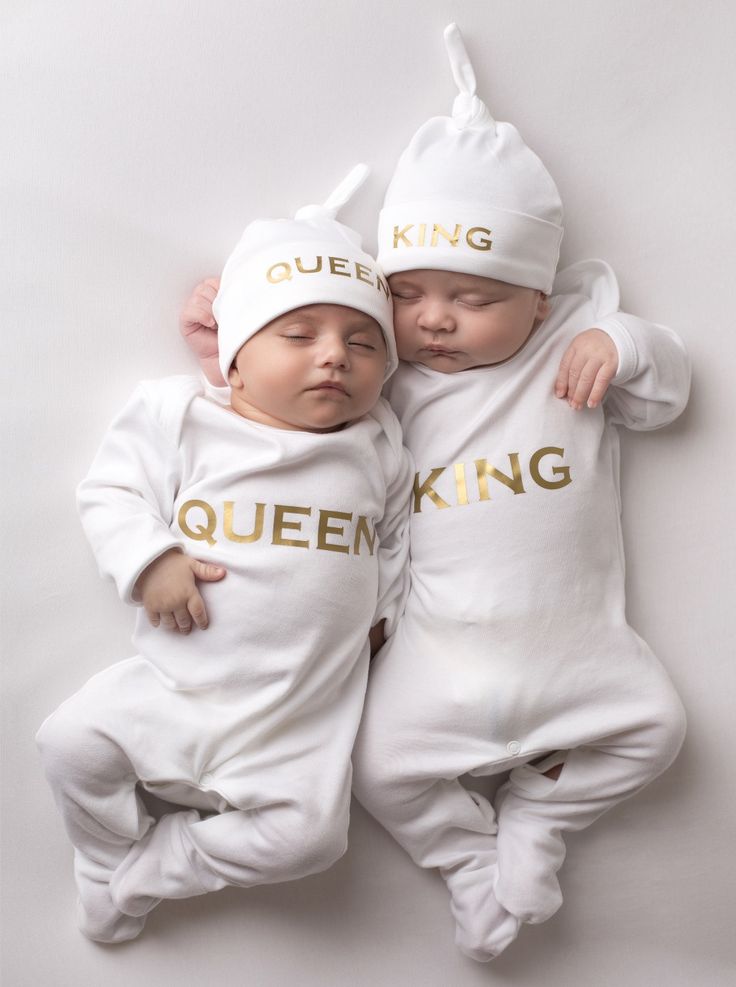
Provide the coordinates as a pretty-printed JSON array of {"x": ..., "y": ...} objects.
[
  {"x": 161, "y": 865},
  {"x": 484, "y": 928},
  {"x": 97, "y": 915},
  {"x": 529, "y": 856}
]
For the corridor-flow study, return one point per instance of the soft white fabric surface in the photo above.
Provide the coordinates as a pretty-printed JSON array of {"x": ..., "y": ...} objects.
[{"x": 138, "y": 139}]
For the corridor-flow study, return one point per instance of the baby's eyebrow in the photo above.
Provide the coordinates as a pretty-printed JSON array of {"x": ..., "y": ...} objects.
[{"x": 366, "y": 327}]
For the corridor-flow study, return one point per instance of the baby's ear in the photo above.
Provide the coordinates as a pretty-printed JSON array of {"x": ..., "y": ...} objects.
[
  {"x": 233, "y": 377},
  {"x": 543, "y": 306}
]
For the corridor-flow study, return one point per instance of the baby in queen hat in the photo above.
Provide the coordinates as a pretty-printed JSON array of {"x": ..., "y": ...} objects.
[{"x": 243, "y": 698}]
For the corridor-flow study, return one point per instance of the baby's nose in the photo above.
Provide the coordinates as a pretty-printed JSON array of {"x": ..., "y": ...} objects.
[
  {"x": 436, "y": 316},
  {"x": 334, "y": 352}
]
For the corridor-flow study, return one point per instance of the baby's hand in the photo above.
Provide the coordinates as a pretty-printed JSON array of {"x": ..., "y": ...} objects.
[
  {"x": 168, "y": 590},
  {"x": 587, "y": 368},
  {"x": 197, "y": 325}
]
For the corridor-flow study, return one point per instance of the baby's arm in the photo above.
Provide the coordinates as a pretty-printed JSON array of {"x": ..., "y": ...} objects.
[
  {"x": 645, "y": 366},
  {"x": 392, "y": 532},
  {"x": 126, "y": 504},
  {"x": 198, "y": 327}
]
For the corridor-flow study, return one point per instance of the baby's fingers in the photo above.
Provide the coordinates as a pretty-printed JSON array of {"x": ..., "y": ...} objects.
[
  {"x": 207, "y": 571},
  {"x": 582, "y": 383},
  {"x": 602, "y": 381},
  {"x": 168, "y": 621},
  {"x": 154, "y": 617},
  {"x": 563, "y": 374},
  {"x": 197, "y": 610},
  {"x": 183, "y": 622},
  {"x": 208, "y": 288}
]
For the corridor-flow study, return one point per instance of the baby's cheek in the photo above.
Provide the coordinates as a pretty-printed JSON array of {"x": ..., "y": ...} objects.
[{"x": 404, "y": 341}]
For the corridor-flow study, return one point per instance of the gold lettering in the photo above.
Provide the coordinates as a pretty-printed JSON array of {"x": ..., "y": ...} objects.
[
  {"x": 325, "y": 529},
  {"x": 382, "y": 286},
  {"x": 363, "y": 529},
  {"x": 422, "y": 234},
  {"x": 228, "y": 523},
  {"x": 334, "y": 261},
  {"x": 563, "y": 471},
  {"x": 200, "y": 532},
  {"x": 438, "y": 231},
  {"x": 308, "y": 270},
  {"x": 483, "y": 243},
  {"x": 285, "y": 275},
  {"x": 279, "y": 525},
  {"x": 401, "y": 235},
  {"x": 514, "y": 482},
  {"x": 362, "y": 273},
  {"x": 426, "y": 490},
  {"x": 460, "y": 484}
]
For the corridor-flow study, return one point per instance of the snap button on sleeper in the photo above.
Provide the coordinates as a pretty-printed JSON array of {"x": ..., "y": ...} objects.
[{"x": 513, "y": 747}]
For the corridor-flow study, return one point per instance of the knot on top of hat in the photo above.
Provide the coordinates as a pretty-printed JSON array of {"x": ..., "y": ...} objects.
[
  {"x": 471, "y": 111},
  {"x": 337, "y": 199},
  {"x": 468, "y": 110}
]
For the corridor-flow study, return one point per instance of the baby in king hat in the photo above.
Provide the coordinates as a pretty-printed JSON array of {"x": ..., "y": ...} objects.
[
  {"x": 298, "y": 491},
  {"x": 513, "y": 655}
]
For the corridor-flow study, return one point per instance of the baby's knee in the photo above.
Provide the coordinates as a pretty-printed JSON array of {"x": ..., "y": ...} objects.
[
  {"x": 673, "y": 727},
  {"x": 380, "y": 774},
  {"x": 321, "y": 839},
  {"x": 71, "y": 747},
  {"x": 62, "y": 740},
  {"x": 666, "y": 734}
]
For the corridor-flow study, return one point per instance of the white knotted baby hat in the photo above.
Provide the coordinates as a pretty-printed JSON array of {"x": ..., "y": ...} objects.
[
  {"x": 468, "y": 195},
  {"x": 283, "y": 264}
]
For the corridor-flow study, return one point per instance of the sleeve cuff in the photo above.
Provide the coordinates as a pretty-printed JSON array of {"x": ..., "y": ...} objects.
[{"x": 625, "y": 347}]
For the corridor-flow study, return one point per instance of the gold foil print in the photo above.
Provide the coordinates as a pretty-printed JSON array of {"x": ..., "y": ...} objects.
[
  {"x": 280, "y": 525},
  {"x": 362, "y": 530},
  {"x": 308, "y": 270},
  {"x": 286, "y": 274},
  {"x": 200, "y": 532},
  {"x": 334, "y": 269},
  {"x": 401, "y": 235},
  {"x": 325, "y": 528},
  {"x": 438, "y": 231},
  {"x": 362, "y": 273},
  {"x": 484, "y": 243},
  {"x": 514, "y": 482},
  {"x": 460, "y": 484},
  {"x": 228, "y": 523},
  {"x": 563, "y": 471},
  {"x": 425, "y": 490}
]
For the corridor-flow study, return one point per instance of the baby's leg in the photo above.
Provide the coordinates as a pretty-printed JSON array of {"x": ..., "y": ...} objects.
[
  {"x": 412, "y": 747},
  {"x": 535, "y": 808},
  {"x": 93, "y": 784},
  {"x": 189, "y": 854}
]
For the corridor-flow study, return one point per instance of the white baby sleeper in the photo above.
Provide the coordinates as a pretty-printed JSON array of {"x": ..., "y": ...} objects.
[
  {"x": 514, "y": 643},
  {"x": 251, "y": 722}
]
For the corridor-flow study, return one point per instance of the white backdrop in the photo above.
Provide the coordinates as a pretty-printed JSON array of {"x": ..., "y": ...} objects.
[{"x": 139, "y": 138}]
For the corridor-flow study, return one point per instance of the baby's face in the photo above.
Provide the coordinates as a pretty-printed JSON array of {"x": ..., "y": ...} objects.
[
  {"x": 453, "y": 322},
  {"x": 314, "y": 369}
]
